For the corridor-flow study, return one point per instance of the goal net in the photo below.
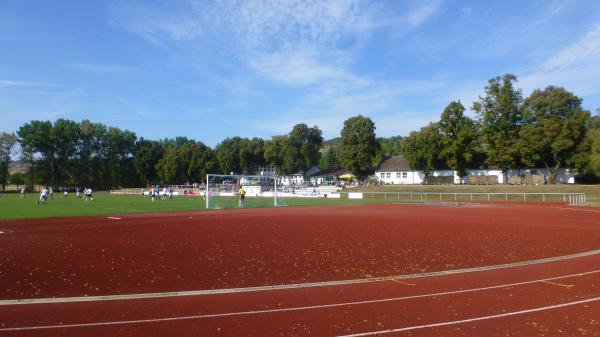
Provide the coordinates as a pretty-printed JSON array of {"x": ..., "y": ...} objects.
[{"x": 223, "y": 191}]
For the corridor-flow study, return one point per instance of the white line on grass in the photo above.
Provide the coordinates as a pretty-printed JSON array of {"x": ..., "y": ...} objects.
[
  {"x": 287, "y": 286},
  {"x": 279, "y": 310},
  {"x": 475, "y": 319}
]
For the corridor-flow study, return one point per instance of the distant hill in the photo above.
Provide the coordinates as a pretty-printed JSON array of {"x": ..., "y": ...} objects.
[
  {"x": 390, "y": 146},
  {"x": 333, "y": 141}
]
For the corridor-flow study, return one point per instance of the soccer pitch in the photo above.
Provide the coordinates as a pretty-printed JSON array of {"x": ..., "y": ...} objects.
[{"x": 12, "y": 207}]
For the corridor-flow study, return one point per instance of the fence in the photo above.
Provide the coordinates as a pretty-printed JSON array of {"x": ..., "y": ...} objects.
[{"x": 570, "y": 198}]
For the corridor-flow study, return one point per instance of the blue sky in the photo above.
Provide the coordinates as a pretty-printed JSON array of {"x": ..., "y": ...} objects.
[{"x": 210, "y": 70}]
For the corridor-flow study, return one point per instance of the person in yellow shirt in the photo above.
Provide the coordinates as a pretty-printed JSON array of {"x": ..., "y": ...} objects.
[{"x": 242, "y": 192}]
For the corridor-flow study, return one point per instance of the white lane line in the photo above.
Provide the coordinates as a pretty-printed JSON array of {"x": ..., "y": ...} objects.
[
  {"x": 287, "y": 286},
  {"x": 475, "y": 319},
  {"x": 114, "y": 218},
  {"x": 579, "y": 209},
  {"x": 279, "y": 310}
]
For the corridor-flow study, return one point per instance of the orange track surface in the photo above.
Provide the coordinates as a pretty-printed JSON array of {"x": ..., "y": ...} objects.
[{"x": 245, "y": 248}]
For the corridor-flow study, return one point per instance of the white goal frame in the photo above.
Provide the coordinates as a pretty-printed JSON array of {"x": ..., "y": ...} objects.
[{"x": 241, "y": 180}]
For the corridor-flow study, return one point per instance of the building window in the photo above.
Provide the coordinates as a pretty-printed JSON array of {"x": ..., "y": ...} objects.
[
  {"x": 404, "y": 175},
  {"x": 382, "y": 175},
  {"x": 397, "y": 174},
  {"x": 388, "y": 175}
]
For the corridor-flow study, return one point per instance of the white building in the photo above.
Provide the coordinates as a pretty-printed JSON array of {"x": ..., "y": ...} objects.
[
  {"x": 395, "y": 170},
  {"x": 289, "y": 179}
]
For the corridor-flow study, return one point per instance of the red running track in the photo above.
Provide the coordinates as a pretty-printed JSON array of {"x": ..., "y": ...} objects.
[{"x": 142, "y": 254}]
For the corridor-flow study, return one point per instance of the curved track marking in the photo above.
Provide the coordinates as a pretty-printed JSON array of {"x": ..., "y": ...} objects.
[
  {"x": 475, "y": 319},
  {"x": 270, "y": 311},
  {"x": 289, "y": 286},
  {"x": 579, "y": 209}
]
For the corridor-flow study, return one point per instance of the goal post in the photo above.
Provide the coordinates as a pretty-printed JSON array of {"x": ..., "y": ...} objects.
[{"x": 222, "y": 191}]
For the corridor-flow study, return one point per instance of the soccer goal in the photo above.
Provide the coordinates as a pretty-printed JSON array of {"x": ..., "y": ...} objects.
[{"x": 222, "y": 191}]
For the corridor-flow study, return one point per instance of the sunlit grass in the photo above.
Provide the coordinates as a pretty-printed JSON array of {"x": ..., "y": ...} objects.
[{"x": 12, "y": 207}]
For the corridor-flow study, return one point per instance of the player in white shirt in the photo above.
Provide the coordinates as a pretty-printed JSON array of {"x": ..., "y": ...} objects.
[
  {"x": 87, "y": 194},
  {"x": 43, "y": 196}
]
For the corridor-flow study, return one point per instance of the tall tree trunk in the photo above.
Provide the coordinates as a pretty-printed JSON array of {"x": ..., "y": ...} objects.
[{"x": 552, "y": 171}]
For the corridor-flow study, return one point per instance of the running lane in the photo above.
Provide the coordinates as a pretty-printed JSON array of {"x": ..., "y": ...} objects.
[{"x": 550, "y": 299}]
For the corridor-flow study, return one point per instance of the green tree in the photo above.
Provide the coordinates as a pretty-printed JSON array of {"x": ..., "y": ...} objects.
[
  {"x": 202, "y": 162},
  {"x": 252, "y": 154},
  {"x": 228, "y": 155},
  {"x": 594, "y": 122},
  {"x": 186, "y": 163},
  {"x": 31, "y": 176},
  {"x": 66, "y": 138},
  {"x": 458, "y": 138},
  {"x": 422, "y": 149},
  {"x": 593, "y": 138},
  {"x": 17, "y": 178},
  {"x": 554, "y": 127},
  {"x": 302, "y": 148},
  {"x": 168, "y": 166},
  {"x": 387, "y": 147},
  {"x": 274, "y": 151},
  {"x": 499, "y": 114},
  {"x": 146, "y": 155},
  {"x": 88, "y": 152},
  {"x": 359, "y": 145},
  {"x": 57, "y": 144},
  {"x": 330, "y": 159},
  {"x": 391, "y": 146},
  {"x": 40, "y": 137},
  {"x": 7, "y": 145},
  {"x": 117, "y": 152}
]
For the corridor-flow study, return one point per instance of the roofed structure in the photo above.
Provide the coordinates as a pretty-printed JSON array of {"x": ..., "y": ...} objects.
[{"x": 394, "y": 164}]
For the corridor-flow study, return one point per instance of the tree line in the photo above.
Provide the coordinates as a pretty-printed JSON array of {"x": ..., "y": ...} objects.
[{"x": 547, "y": 129}]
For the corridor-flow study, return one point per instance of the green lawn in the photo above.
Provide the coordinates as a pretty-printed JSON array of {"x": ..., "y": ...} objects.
[
  {"x": 11, "y": 207},
  {"x": 592, "y": 191}
]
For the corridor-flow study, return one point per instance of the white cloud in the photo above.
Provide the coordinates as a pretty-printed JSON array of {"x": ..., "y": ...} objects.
[
  {"x": 576, "y": 67},
  {"x": 310, "y": 46},
  {"x": 425, "y": 11},
  {"x": 251, "y": 24},
  {"x": 101, "y": 68},
  {"x": 10, "y": 83},
  {"x": 289, "y": 42},
  {"x": 299, "y": 67}
]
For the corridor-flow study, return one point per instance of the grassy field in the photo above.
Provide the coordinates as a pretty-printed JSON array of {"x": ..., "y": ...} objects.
[
  {"x": 592, "y": 191},
  {"x": 11, "y": 207}
]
